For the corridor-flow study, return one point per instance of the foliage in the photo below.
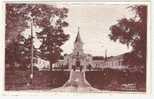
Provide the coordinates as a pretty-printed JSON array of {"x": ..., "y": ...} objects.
[
  {"x": 53, "y": 36},
  {"x": 19, "y": 51},
  {"x": 16, "y": 16},
  {"x": 132, "y": 32},
  {"x": 48, "y": 18}
]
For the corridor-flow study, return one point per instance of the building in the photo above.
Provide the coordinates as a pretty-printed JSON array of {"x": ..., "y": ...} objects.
[
  {"x": 78, "y": 60},
  {"x": 41, "y": 64}
]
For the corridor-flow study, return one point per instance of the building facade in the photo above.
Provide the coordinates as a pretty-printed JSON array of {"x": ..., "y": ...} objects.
[
  {"x": 78, "y": 60},
  {"x": 41, "y": 64}
]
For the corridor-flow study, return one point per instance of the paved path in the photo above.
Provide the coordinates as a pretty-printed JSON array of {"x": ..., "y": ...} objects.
[
  {"x": 77, "y": 79},
  {"x": 77, "y": 83}
]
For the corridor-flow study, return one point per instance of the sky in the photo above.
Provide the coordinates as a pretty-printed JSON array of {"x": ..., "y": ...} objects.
[{"x": 94, "y": 22}]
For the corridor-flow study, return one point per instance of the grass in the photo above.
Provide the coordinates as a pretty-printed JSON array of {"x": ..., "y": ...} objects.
[
  {"x": 18, "y": 80},
  {"x": 114, "y": 80},
  {"x": 45, "y": 80}
]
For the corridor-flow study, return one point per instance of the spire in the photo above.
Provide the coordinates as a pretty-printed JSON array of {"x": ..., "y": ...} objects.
[
  {"x": 106, "y": 54},
  {"x": 78, "y": 38}
]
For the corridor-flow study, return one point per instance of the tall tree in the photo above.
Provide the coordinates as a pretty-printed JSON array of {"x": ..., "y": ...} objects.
[
  {"x": 53, "y": 37},
  {"x": 133, "y": 32},
  {"x": 48, "y": 18},
  {"x": 19, "y": 52},
  {"x": 16, "y": 21}
]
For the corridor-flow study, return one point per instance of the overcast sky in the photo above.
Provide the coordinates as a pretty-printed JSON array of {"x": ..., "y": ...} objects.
[{"x": 94, "y": 22}]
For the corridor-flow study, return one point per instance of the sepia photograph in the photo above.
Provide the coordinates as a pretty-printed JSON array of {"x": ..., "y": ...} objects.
[{"x": 76, "y": 47}]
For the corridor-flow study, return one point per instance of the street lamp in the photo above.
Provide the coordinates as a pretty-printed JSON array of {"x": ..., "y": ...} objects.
[
  {"x": 31, "y": 75},
  {"x": 31, "y": 67}
]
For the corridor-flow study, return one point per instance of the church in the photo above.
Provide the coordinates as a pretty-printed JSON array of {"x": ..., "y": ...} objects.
[{"x": 78, "y": 60}]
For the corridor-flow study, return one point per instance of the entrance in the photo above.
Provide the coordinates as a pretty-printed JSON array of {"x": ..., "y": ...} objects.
[{"x": 77, "y": 63}]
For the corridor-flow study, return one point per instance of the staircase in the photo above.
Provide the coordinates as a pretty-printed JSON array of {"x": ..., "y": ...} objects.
[
  {"x": 76, "y": 83},
  {"x": 77, "y": 79}
]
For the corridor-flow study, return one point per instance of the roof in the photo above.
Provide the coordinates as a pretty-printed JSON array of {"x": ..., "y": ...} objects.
[
  {"x": 78, "y": 38},
  {"x": 98, "y": 58}
]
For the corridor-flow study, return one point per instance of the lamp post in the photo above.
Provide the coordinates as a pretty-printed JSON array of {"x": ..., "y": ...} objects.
[
  {"x": 32, "y": 52},
  {"x": 31, "y": 67}
]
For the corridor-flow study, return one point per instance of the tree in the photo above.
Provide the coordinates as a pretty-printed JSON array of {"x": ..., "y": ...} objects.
[
  {"x": 52, "y": 39},
  {"x": 48, "y": 18},
  {"x": 133, "y": 32},
  {"x": 16, "y": 21},
  {"x": 19, "y": 51},
  {"x": 10, "y": 51}
]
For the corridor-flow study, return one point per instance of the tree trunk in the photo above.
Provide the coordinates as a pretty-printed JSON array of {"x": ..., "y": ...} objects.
[{"x": 50, "y": 66}]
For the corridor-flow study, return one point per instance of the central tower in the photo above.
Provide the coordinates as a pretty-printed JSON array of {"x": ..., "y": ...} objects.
[{"x": 78, "y": 44}]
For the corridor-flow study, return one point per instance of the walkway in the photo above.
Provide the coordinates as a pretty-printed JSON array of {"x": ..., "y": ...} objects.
[{"x": 76, "y": 83}]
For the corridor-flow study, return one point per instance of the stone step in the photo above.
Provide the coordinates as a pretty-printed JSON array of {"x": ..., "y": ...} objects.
[{"x": 77, "y": 79}]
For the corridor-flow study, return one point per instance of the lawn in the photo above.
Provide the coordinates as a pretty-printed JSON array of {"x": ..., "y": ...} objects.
[
  {"x": 19, "y": 79},
  {"x": 116, "y": 80}
]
